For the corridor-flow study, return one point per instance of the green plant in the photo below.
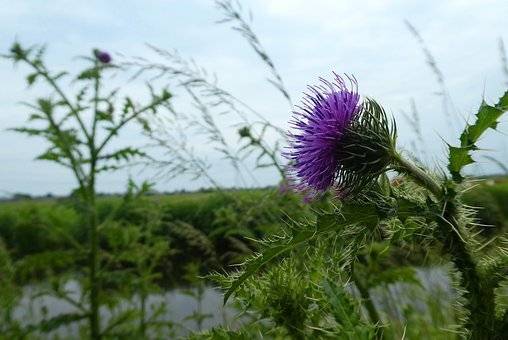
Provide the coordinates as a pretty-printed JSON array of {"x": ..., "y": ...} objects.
[
  {"x": 82, "y": 146},
  {"x": 419, "y": 209},
  {"x": 9, "y": 295}
]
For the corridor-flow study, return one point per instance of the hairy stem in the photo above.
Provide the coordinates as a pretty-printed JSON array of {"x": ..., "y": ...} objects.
[
  {"x": 480, "y": 298},
  {"x": 93, "y": 260},
  {"x": 419, "y": 175}
]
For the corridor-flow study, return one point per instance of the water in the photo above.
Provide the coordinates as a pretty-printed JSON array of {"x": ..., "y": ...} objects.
[
  {"x": 178, "y": 307},
  {"x": 434, "y": 295},
  {"x": 435, "y": 288}
]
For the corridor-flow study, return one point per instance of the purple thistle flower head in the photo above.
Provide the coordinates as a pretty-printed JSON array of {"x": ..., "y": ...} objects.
[
  {"x": 102, "y": 56},
  {"x": 335, "y": 138},
  {"x": 320, "y": 125}
]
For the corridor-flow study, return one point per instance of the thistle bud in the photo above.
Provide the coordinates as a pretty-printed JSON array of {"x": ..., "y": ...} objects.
[{"x": 103, "y": 57}]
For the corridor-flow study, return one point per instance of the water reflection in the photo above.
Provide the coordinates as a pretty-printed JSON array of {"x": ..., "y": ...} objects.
[{"x": 189, "y": 309}]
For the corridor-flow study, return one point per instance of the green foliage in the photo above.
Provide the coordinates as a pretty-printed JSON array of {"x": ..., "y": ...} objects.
[
  {"x": 34, "y": 227},
  {"x": 9, "y": 292},
  {"x": 489, "y": 211},
  {"x": 346, "y": 311},
  {"x": 79, "y": 128},
  {"x": 277, "y": 246},
  {"x": 192, "y": 244},
  {"x": 374, "y": 242},
  {"x": 323, "y": 274},
  {"x": 246, "y": 333},
  {"x": 122, "y": 236},
  {"x": 486, "y": 117},
  {"x": 144, "y": 249},
  {"x": 201, "y": 227}
]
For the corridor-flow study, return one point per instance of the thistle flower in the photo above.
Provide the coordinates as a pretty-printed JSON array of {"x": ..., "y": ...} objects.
[
  {"x": 338, "y": 142},
  {"x": 103, "y": 57}
]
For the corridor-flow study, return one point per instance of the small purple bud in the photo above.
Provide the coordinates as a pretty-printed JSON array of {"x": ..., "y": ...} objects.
[{"x": 103, "y": 57}]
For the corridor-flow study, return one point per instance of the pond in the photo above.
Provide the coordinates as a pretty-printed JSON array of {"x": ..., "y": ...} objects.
[
  {"x": 189, "y": 309},
  {"x": 193, "y": 309}
]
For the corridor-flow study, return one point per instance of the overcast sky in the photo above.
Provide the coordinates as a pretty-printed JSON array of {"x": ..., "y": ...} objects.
[{"x": 306, "y": 39}]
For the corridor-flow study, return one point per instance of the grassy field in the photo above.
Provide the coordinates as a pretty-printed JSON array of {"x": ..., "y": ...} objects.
[
  {"x": 213, "y": 229},
  {"x": 222, "y": 221}
]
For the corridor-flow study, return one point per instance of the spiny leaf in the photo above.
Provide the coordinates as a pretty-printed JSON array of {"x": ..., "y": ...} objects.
[
  {"x": 106, "y": 115},
  {"x": 384, "y": 184},
  {"x": 487, "y": 117},
  {"x": 124, "y": 154},
  {"x": 50, "y": 156},
  {"x": 46, "y": 106},
  {"x": 57, "y": 321},
  {"x": 459, "y": 157},
  {"x": 503, "y": 101},
  {"x": 30, "y": 79},
  {"x": 35, "y": 116},
  {"x": 128, "y": 106},
  {"x": 343, "y": 308},
  {"x": 356, "y": 213},
  {"x": 18, "y": 52},
  {"x": 29, "y": 131},
  {"x": 254, "y": 265},
  {"x": 91, "y": 73},
  {"x": 346, "y": 311},
  {"x": 324, "y": 222},
  {"x": 353, "y": 213}
]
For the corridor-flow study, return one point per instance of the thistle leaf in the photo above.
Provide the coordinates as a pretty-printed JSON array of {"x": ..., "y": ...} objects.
[
  {"x": 487, "y": 117},
  {"x": 50, "y": 155},
  {"x": 30, "y": 79},
  {"x": 29, "y": 131},
  {"x": 124, "y": 154},
  {"x": 53, "y": 323},
  {"x": 91, "y": 73},
  {"x": 346, "y": 311},
  {"x": 459, "y": 158},
  {"x": 349, "y": 214}
]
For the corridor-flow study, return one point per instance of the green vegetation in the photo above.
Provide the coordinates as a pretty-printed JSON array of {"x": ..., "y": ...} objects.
[
  {"x": 190, "y": 235},
  {"x": 374, "y": 246},
  {"x": 33, "y": 227}
]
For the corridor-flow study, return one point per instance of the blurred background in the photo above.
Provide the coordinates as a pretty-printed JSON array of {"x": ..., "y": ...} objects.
[{"x": 189, "y": 184}]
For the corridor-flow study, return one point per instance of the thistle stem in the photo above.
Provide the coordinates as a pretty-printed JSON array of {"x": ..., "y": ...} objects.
[
  {"x": 418, "y": 175},
  {"x": 93, "y": 264},
  {"x": 480, "y": 298}
]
